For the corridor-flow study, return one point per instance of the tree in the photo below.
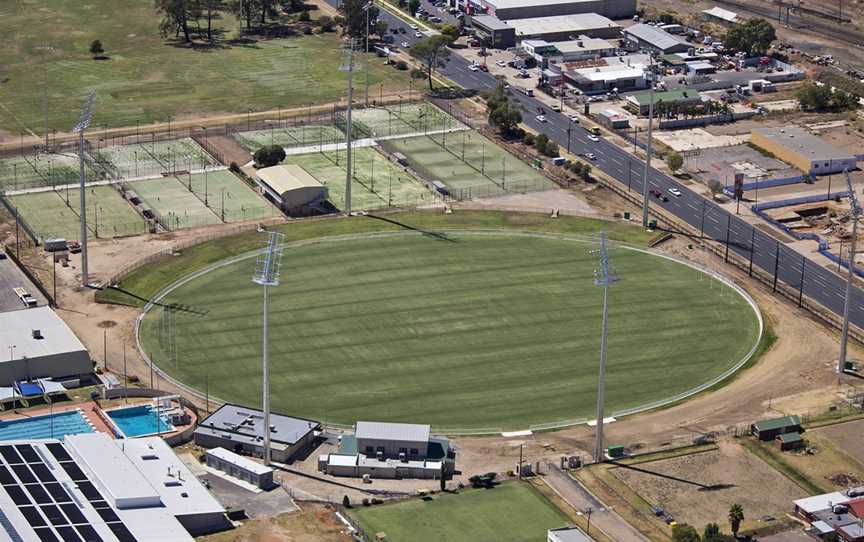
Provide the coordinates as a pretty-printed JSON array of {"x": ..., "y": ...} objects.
[
  {"x": 175, "y": 17},
  {"x": 814, "y": 97},
  {"x": 269, "y": 155},
  {"x": 293, "y": 5},
  {"x": 380, "y": 28},
  {"x": 326, "y": 23},
  {"x": 433, "y": 53},
  {"x": 451, "y": 31},
  {"x": 503, "y": 113},
  {"x": 684, "y": 533},
  {"x": 413, "y": 6},
  {"x": 356, "y": 17},
  {"x": 586, "y": 171},
  {"x": 711, "y": 532},
  {"x": 210, "y": 9},
  {"x": 844, "y": 101},
  {"x": 541, "y": 142},
  {"x": 243, "y": 9},
  {"x": 715, "y": 187},
  {"x": 304, "y": 16},
  {"x": 346, "y": 502},
  {"x": 266, "y": 7},
  {"x": 96, "y": 49},
  {"x": 753, "y": 36},
  {"x": 674, "y": 161},
  {"x": 736, "y": 516}
]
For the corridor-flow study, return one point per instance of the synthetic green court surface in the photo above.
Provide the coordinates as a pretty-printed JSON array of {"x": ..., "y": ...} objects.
[
  {"x": 469, "y": 164},
  {"x": 38, "y": 170},
  {"x": 291, "y": 136},
  {"x": 228, "y": 196},
  {"x": 153, "y": 158},
  {"x": 55, "y": 214},
  {"x": 175, "y": 203},
  {"x": 409, "y": 118},
  {"x": 511, "y": 512},
  {"x": 378, "y": 182},
  {"x": 461, "y": 331}
]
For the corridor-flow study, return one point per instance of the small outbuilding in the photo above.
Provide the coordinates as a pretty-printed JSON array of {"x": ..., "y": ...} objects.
[
  {"x": 240, "y": 467},
  {"x": 790, "y": 441},
  {"x": 768, "y": 430},
  {"x": 291, "y": 187}
]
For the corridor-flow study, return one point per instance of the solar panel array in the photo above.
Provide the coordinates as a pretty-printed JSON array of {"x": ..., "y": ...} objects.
[{"x": 49, "y": 505}]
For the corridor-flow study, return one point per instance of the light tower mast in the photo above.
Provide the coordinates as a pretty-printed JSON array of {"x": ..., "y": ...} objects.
[
  {"x": 604, "y": 278},
  {"x": 79, "y": 128},
  {"x": 844, "y": 335},
  {"x": 267, "y": 267}
]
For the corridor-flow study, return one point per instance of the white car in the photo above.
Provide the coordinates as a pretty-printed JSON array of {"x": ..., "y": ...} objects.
[
  {"x": 473, "y": 67},
  {"x": 574, "y": 118},
  {"x": 405, "y": 45},
  {"x": 590, "y": 156},
  {"x": 541, "y": 118},
  {"x": 594, "y": 138},
  {"x": 418, "y": 34},
  {"x": 675, "y": 192},
  {"x": 415, "y": 27},
  {"x": 501, "y": 63}
]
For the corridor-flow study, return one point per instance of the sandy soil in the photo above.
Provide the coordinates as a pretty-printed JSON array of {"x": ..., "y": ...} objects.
[
  {"x": 848, "y": 437},
  {"x": 313, "y": 523},
  {"x": 743, "y": 478}
]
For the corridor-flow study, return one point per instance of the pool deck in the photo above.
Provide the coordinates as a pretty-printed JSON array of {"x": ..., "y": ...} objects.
[
  {"x": 88, "y": 409},
  {"x": 133, "y": 403}
]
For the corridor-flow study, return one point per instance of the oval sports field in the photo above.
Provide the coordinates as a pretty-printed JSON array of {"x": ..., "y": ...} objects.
[{"x": 470, "y": 332}]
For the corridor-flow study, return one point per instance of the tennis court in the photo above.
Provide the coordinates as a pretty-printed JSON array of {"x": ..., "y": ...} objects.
[
  {"x": 48, "y": 215},
  {"x": 108, "y": 214},
  {"x": 469, "y": 164},
  {"x": 403, "y": 119},
  {"x": 40, "y": 169},
  {"x": 153, "y": 158},
  {"x": 174, "y": 202},
  {"x": 290, "y": 136},
  {"x": 378, "y": 182},
  {"x": 229, "y": 197}
]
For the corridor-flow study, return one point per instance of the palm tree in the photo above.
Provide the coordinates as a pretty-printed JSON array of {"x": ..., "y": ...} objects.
[{"x": 736, "y": 516}]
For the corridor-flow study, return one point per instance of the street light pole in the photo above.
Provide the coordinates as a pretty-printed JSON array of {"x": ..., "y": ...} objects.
[
  {"x": 844, "y": 335},
  {"x": 650, "y": 77},
  {"x": 79, "y": 128}
]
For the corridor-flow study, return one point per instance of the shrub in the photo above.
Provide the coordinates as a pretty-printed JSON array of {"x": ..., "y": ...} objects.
[
  {"x": 401, "y": 65},
  {"x": 234, "y": 167},
  {"x": 529, "y": 139},
  {"x": 304, "y": 16}
]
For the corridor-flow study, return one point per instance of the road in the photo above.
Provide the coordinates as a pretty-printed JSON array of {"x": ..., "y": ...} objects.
[
  {"x": 767, "y": 253},
  {"x": 581, "y": 499}
]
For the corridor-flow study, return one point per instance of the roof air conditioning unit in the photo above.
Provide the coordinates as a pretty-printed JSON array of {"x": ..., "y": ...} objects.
[{"x": 37, "y": 334}]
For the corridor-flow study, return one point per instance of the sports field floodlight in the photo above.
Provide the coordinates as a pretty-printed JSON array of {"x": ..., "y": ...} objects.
[
  {"x": 844, "y": 335},
  {"x": 267, "y": 266},
  {"x": 348, "y": 66},
  {"x": 366, "y": 8},
  {"x": 650, "y": 75},
  {"x": 602, "y": 277},
  {"x": 79, "y": 128}
]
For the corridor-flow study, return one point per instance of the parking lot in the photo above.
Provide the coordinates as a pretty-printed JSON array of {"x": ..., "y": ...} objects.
[{"x": 12, "y": 277}]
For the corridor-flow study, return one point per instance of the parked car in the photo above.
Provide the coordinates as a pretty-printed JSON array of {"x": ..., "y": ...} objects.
[
  {"x": 418, "y": 34},
  {"x": 574, "y": 118}
]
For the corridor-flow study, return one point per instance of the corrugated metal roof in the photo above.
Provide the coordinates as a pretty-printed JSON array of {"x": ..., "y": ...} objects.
[
  {"x": 721, "y": 13},
  {"x": 786, "y": 438},
  {"x": 804, "y": 143},
  {"x": 489, "y": 21},
  {"x": 286, "y": 177},
  {"x": 406, "y": 432},
  {"x": 777, "y": 423},
  {"x": 655, "y": 36},
  {"x": 239, "y": 461}
]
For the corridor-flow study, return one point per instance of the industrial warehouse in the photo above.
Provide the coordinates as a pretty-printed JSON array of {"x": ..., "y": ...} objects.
[{"x": 524, "y": 9}]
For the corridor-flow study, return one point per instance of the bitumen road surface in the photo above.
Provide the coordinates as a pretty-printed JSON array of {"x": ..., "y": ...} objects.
[{"x": 767, "y": 253}]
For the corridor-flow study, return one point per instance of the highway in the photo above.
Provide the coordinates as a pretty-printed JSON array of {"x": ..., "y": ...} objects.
[{"x": 769, "y": 254}]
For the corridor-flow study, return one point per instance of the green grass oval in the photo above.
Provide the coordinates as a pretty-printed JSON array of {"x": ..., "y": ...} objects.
[{"x": 466, "y": 332}]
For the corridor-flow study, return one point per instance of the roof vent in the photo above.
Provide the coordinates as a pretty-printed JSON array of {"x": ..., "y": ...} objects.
[{"x": 37, "y": 334}]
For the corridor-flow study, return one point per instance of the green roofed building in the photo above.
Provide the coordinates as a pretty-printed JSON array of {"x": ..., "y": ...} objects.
[
  {"x": 770, "y": 429},
  {"x": 790, "y": 441},
  {"x": 639, "y": 103}
]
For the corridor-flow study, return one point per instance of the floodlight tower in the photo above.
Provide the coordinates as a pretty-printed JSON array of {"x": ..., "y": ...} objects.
[
  {"x": 650, "y": 75},
  {"x": 844, "y": 335},
  {"x": 602, "y": 277},
  {"x": 366, "y": 8},
  {"x": 267, "y": 267},
  {"x": 79, "y": 128},
  {"x": 348, "y": 66}
]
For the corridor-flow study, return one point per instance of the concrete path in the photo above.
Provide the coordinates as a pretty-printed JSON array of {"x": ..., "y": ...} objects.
[{"x": 581, "y": 499}]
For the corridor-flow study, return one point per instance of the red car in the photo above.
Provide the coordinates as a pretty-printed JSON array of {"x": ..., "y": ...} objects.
[{"x": 657, "y": 194}]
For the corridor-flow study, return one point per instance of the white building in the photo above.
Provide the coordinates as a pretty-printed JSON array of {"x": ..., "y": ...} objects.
[
  {"x": 36, "y": 343},
  {"x": 567, "y": 534},
  {"x": 291, "y": 187},
  {"x": 240, "y": 467},
  {"x": 104, "y": 489},
  {"x": 720, "y": 15}
]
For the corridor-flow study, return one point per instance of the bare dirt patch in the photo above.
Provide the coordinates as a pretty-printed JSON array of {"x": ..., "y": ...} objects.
[
  {"x": 313, "y": 523},
  {"x": 848, "y": 437},
  {"x": 742, "y": 478}
]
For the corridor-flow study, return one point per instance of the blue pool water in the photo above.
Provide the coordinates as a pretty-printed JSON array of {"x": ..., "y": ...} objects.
[
  {"x": 138, "y": 421},
  {"x": 56, "y": 425}
]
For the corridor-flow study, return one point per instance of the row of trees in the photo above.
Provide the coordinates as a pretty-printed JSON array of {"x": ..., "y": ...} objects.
[
  {"x": 686, "y": 533},
  {"x": 684, "y": 110},
  {"x": 813, "y": 97},
  {"x": 180, "y": 16},
  {"x": 503, "y": 113},
  {"x": 753, "y": 36}
]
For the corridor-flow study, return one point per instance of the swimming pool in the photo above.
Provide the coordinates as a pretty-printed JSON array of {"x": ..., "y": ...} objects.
[
  {"x": 71, "y": 422},
  {"x": 138, "y": 421}
]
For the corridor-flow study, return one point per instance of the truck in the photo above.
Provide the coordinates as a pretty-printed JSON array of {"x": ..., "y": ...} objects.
[
  {"x": 27, "y": 299},
  {"x": 527, "y": 91},
  {"x": 55, "y": 244}
]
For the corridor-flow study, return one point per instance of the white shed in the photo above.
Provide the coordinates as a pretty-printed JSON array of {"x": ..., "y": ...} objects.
[{"x": 291, "y": 186}]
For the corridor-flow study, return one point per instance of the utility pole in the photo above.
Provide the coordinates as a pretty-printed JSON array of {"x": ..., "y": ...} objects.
[
  {"x": 79, "y": 128},
  {"x": 844, "y": 335},
  {"x": 267, "y": 267},
  {"x": 602, "y": 277},
  {"x": 650, "y": 77}
]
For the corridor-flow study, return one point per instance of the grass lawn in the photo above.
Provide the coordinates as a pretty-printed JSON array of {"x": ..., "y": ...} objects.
[
  {"x": 378, "y": 182},
  {"x": 150, "y": 78},
  {"x": 471, "y": 166},
  {"x": 290, "y": 136},
  {"x": 48, "y": 215},
  {"x": 178, "y": 207},
  {"x": 401, "y": 119},
  {"x": 229, "y": 196},
  {"x": 511, "y": 512},
  {"x": 470, "y": 332}
]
